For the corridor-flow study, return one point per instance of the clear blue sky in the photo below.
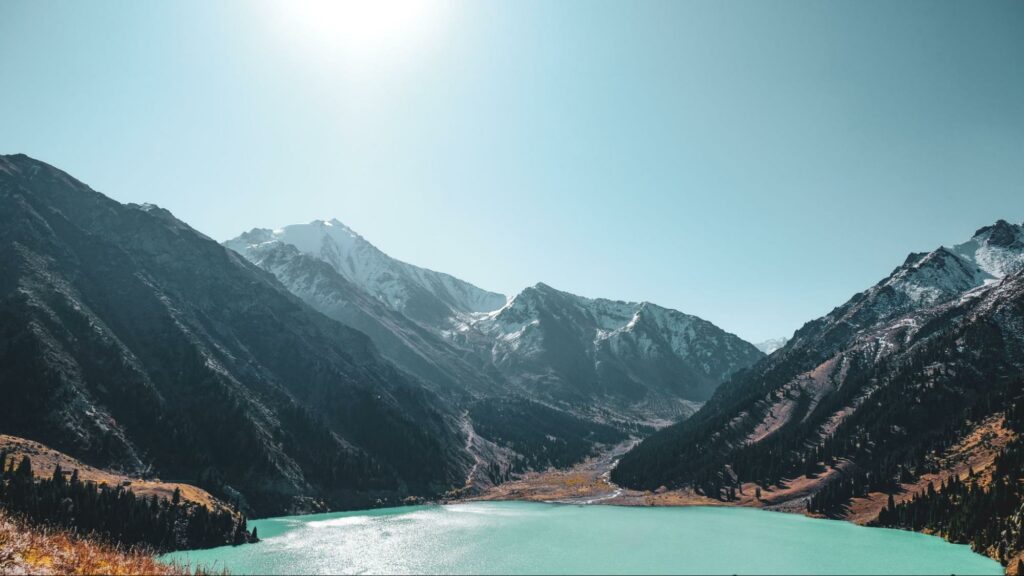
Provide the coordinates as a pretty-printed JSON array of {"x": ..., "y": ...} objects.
[{"x": 754, "y": 163}]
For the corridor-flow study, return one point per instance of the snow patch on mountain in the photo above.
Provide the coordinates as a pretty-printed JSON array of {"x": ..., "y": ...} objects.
[
  {"x": 425, "y": 295},
  {"x": 772, "y": 344},
  {"x": 997, "y": 250},
  {"x": 570, "y": 343}
]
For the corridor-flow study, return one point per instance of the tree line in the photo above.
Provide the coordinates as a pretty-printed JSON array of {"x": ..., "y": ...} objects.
[
  {"x": 988, "y": 517},
  {"x": 115, "y": 513},
  {"x": 912, "y": 409}
]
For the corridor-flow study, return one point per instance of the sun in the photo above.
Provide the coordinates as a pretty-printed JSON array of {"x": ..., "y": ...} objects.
[{"x": 370, "y": 29}]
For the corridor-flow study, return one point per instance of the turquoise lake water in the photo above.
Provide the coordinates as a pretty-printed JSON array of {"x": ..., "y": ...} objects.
[{"x": 532, "y": 538}]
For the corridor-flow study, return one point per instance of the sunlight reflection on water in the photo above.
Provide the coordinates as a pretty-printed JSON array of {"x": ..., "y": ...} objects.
[{"x": 525, "y": 538}]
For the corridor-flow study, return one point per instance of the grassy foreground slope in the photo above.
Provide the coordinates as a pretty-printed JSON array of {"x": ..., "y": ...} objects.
[{"x": 29, "y": 549}]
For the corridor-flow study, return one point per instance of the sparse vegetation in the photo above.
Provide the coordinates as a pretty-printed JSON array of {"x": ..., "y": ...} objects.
[
  {"x": 542, "y": 436},
  {"x": 987, "y": 513},
  {"x": 114, "y": 513},
  {"x": 31, "y": 549}
]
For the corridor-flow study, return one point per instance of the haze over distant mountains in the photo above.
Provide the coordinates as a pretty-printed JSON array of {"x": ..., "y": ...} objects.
[
  {"x": 771, "y": 345},
  {"x": 598, "y": 359}
]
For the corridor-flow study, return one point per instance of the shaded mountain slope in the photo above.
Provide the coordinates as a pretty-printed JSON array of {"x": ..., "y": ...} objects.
[
  {"x": 133, "y": 342},
  {"x": 419, "y": 350},
  {"x": 599, "y": 360},
  {"x": 430, "y": 298},
  {"x": 625, "y": 360},
  {"x": 899, "y": 372}
]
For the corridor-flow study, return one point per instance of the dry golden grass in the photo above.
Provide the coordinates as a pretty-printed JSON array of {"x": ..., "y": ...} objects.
[
  {"x": 26, "y": 549},
  {"x": 977, "y": 451},
  {"x": 45, "y": 459},
  {"x": 1011, "y": 565}
]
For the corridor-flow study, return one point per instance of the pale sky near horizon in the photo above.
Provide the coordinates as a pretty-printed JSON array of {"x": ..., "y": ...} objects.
[{"x": 753, "y": 163}]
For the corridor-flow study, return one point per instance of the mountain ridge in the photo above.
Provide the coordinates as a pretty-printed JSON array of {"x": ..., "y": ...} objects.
[
  {"x": 430, "y": 297},
  {"x": 486, "y": 339},
  {"x": 851, "y": 401},
  {"x": 123, "y": 328}
]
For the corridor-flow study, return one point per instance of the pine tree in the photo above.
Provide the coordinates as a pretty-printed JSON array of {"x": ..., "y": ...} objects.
[
  {"x": 58, "y": 477},
  {"x": 116, "y": 513},
  {"x": 24, "y": 470}
]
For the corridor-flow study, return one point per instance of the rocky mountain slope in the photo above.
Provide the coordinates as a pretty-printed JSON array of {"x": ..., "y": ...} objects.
[
  {"x": 419, "y": 349},
  {"x": 603, "y": 361},
  {"x": 867, "y": 399},
  {"x": 132, "y": 342},
  {"x": 616, "y": 360},
  {"x": 876, "y": 334},
  {"x": 430, "y": 298}
]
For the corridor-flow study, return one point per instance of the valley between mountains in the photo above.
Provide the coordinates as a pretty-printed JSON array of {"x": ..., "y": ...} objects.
[{"x": 301, "y": 369}]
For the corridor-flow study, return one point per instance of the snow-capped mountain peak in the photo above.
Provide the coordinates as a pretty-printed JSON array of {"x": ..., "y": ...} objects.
[
  {"x": 563, "y": 345},
  {"x": 772, "y": 344},
  {"x": 997, "y": 250},
  {"x": 932, "y": 277},
  {"x": 433, "y": 298},
  {"x": 925, "y": 279}
]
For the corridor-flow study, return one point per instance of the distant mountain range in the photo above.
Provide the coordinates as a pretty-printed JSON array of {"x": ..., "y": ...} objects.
[
  {"x": 771, "y": 345},
  {"x": 600, "y": 360},
  {"x": 316, "y": 372},
  {"x": 624, "y": 361}
]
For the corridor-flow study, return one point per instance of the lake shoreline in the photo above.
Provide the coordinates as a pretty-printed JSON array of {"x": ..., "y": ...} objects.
[
  {"x": 588, "y": 483},
  {"x": 534, "y": 537}
]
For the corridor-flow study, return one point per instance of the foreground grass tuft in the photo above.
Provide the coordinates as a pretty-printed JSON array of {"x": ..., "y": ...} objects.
[{"x": 27, "y": 549}]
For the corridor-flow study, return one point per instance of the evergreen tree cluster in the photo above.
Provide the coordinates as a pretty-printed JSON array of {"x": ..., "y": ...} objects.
[
  {"x": 542, "y": 436},
  {"x": 115, "y": 513},
  {"x": 989, "y": 518},
  {"x": 893, "y": 437}
]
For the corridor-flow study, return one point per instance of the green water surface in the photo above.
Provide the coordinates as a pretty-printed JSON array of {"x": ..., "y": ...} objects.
[{"x": 531, "y": 538}]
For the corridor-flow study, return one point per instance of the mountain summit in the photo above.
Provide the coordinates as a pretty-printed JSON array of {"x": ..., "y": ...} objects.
[
  {"x": 431, "y": 298},
  {"x": 647, "y": 361}
]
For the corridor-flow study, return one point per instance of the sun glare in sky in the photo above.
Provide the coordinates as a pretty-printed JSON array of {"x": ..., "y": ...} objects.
[{"x": 367, "y": 32}]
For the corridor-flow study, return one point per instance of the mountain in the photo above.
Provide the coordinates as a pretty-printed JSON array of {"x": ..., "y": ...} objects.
[
  {"x": 418, "y": 349},
  {"x": 612, "y": 360},
  {"x": 869, "y": 398},
  {"x": 600, "y": 360},
  {"x": 430, "y": 298},
  {"x": 132, "y": 342},
  {"x": 771, "y": 345}
]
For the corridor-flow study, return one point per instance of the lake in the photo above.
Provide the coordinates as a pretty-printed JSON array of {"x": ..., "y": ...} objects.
[{"x": 531, "y": 538}]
